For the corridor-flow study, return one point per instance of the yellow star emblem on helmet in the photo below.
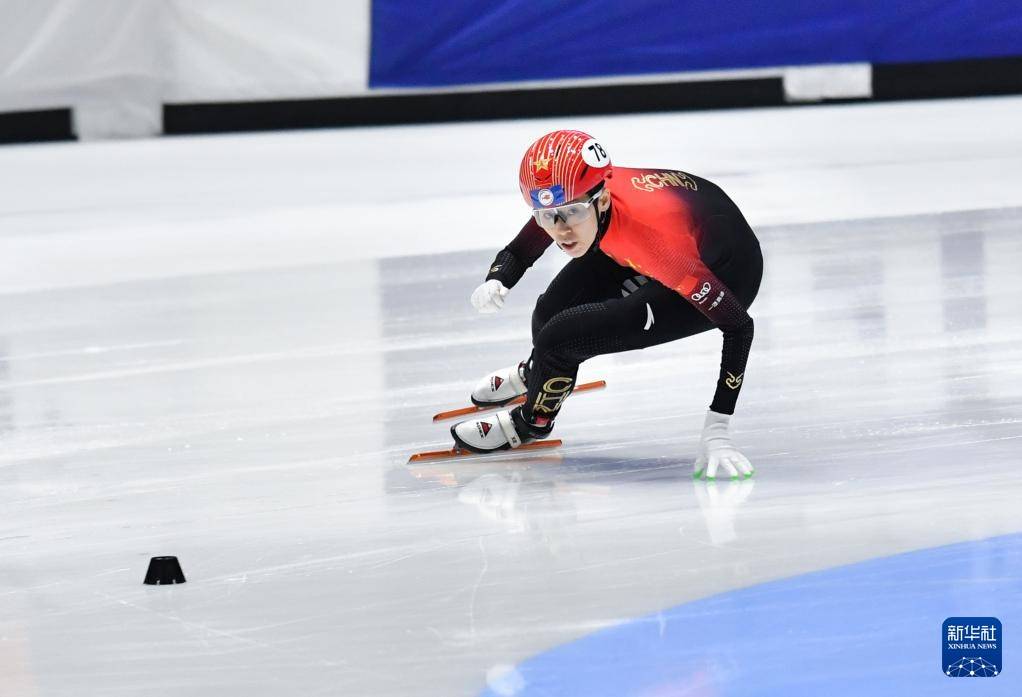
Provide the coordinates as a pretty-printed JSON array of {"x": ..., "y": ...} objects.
[{"x": 541, "y": 163}]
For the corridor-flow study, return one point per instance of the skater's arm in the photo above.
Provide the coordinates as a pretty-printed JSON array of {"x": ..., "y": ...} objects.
[
  {"x": 512, "y": 262},
  {"x": 733, "y": 357},
  {"x": 716, "y": 301},
  {"x": 716, "y": 449}
]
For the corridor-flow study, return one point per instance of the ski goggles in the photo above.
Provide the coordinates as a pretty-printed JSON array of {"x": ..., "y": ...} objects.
[{"x": 570, "y": 213}]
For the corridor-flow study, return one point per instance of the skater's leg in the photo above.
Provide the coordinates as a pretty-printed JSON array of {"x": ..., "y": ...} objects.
[
  {"x": 650, "y": 315},
  {"x": 590, "y": 277},
  {"x": 586, "y": 279}
]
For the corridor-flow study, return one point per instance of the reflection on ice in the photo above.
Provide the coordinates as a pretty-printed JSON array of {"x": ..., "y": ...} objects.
[{"x": 719, "y": 503}]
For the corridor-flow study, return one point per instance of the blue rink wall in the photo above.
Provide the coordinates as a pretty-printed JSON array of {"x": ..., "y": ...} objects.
[
  {"x": 872, "y": 628},
  {"x": 460, "y": 42}
]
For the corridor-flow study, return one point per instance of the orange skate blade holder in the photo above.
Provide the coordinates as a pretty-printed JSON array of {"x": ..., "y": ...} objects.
[
  {"x": 465, "y": 411},
  {"x": 456, "y": 453}
]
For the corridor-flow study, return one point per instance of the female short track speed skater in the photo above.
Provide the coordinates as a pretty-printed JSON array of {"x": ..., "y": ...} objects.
[{"x": 656, "y": 255}]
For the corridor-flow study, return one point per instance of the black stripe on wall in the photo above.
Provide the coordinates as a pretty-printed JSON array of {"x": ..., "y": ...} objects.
[
  {"x": 961, "y": 78},
  {"x": 36, "y": 126},
  {"x": 471, "y": 106}
]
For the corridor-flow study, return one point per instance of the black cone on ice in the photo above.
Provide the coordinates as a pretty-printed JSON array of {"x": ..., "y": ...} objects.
[{"x": 164, "y": 571}]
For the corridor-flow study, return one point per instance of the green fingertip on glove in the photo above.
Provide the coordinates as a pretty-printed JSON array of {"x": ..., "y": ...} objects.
[{"x": 734, "y": 478}]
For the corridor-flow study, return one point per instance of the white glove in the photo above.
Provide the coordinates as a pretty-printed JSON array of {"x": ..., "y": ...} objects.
[
  {"x": 489, "y": 297},
  {"x": 717, "y": 450}
]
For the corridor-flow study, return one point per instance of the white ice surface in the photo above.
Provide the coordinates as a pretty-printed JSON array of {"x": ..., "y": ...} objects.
[{"x": 224, "y": 348}]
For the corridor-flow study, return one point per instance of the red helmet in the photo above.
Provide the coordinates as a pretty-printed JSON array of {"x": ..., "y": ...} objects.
[{"x": 560, "y": 167}]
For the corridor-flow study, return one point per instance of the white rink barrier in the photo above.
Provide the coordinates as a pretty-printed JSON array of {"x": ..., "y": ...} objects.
[{"x": 116, "y": 62}]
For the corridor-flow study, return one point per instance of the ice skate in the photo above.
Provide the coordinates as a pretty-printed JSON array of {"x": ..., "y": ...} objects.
[
  {"x": 500, "y": 387},
  {"x": 502, "y": 430}
]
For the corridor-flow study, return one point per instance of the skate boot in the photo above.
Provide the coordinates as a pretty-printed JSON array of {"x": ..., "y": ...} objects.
[
  {"x": 500, "y": 387},
  {"x": 502, "y": 430}
]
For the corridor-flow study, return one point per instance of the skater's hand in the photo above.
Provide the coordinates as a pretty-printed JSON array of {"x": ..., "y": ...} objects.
[
  {"x": 489, "y": 297},
  {"x": 716, "y": 451}
]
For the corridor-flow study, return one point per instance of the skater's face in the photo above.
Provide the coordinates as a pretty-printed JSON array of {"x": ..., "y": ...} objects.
[{"x": 575, "y": 233}]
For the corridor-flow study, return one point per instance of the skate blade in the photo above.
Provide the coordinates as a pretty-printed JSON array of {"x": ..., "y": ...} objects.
[
  {"x": 465, "y": 411},
  {"x": 454, "y": 453}
]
